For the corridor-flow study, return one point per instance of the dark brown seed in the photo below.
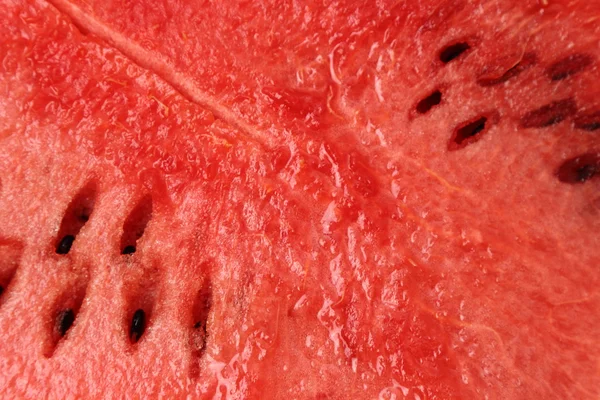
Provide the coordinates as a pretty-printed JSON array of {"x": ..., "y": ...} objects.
[
  {"x": 568, "y": 66},
  {"x": 579, "y": 169},
  {"x": 138, "y": 325},
  {"x": 64, "y": 246},
  {"x": 453, "y": 51},
  {"x": 588, "y": 122},
  {"x": 429, "y": 102},
  {"x": 128, "y": 250},
  {"x": 64, "y": 321},
  {"x": 467, "y": 133},
  {"x": 549, "y": 114}
]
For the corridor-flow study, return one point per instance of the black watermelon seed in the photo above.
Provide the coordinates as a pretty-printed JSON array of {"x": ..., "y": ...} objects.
[
  {"x": 128, "y": 250},
  {"x": 579, "y": 169},
  {"x": 75, "y": 217},
  {"x": 470, "y": 130},
  {"x": 138, "y": 325},
  {"x": 64, "y": 321},
  {"x": 453, "y": 51},
  {"x": 429, "y": 102},
  {"x": 64, "y": 246},
  {"x": 467, "y": 133}
]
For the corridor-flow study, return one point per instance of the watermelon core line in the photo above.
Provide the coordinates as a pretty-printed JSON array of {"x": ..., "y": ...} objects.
[{"x": 182, "y": 83}]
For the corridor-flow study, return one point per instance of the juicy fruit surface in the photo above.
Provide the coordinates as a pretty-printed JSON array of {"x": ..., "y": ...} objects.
[{"x": 343, "y": 200}]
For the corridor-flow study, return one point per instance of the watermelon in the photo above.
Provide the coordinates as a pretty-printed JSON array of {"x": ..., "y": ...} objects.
[{"x": 300, "y": 200}]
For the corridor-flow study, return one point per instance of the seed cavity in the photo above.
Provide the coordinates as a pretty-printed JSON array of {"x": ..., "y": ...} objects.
[
  {"x": 202, "y": 307},
  {"x": 64, "y": 246},
  {"x": 64, "y": 320},
  {"x": 549, "y": 114},
  {"x": 135, "y": 225},
  {"x": 77, "y": 214},
  {"x": 138, "y": 325},
  {"x": 579, "y": 169},
  {"x": 467, "y": 133},
  {"x": 588, "y": 122},
  {"x": 200, "y": 330},
  {"x": 429, "y": 102},
  {"x": 453, "y": 51},
  {"x": 528, "y": 60},
  {"x": 128, "y": 250},
  {"x": 10, "y": 258},
  {"x": 140, "y": 298},
  {"x": 568, "y": 66},
  {"x": 66, "y": 308}
]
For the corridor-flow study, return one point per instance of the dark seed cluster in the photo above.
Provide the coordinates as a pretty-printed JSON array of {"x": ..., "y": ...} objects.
[{"x": 578, "y": 169}]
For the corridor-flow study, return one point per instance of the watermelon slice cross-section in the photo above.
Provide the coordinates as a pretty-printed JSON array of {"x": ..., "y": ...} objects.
[{"x": 300, "y": 200}]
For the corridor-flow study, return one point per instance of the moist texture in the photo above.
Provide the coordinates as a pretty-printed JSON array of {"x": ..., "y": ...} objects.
[{"x": 299, "y": 200}]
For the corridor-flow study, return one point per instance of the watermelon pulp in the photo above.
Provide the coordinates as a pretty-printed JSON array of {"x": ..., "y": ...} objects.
[{"x": 299, "y": 200}]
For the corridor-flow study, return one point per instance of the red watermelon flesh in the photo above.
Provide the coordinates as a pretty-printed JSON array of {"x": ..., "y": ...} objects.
[{"x": 336, "y": 200}]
